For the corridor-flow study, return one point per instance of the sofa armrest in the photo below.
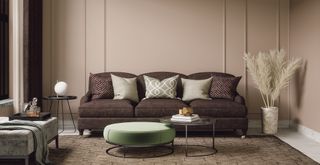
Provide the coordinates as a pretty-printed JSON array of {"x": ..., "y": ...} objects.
[
  {"x": 86, "y": 98},
  {"x": 239, "y": 99}
]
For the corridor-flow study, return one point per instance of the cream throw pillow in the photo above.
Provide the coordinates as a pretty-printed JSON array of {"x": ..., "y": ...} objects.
[
  {"x": 195, "y": 89},
  {"x": 166, "y": 88},
  {"x": 125, "y": 88}
]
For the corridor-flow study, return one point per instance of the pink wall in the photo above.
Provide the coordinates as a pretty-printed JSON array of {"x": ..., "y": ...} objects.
[
  {"x": 305, "y": 43},
  {"x": 139, "y": 36}
]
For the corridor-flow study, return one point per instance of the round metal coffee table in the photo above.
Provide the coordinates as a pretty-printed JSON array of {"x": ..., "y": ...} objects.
[{"x": 203, "y": 121}]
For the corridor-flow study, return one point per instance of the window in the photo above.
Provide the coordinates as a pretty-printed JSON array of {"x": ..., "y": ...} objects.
[{"x": 4, "y": 49}]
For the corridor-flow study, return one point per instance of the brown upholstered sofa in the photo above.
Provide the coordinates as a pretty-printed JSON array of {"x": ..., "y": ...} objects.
[{"x": 96, "y": 114}]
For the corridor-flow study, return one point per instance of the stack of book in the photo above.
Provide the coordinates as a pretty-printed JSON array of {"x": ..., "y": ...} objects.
[{"x": 182, "y": 118}]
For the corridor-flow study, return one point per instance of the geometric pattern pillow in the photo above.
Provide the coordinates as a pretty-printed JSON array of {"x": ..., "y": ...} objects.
[
  {"x": 166, "y": 88},
  {"x": 224, "y": 87},
  {"x": 101, "y": 87}
]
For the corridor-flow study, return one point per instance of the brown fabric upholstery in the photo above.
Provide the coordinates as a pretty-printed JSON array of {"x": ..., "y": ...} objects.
[
  {"x": 158, "y": 107},
  {"x": 86, "y": 98},
  {"x": 218, "y": 108},
  {"x": 106, "y": 108},
  {"x": 221, "y": 123},
  {"x": 239, "y": 99},
  {"x": 205, "y": 75},
  {"x": 160, "y": 76},
  {"x": 96, "y": 114}
]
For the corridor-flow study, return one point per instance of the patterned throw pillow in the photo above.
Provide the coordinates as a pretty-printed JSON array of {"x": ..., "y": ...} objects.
[
  {"x": 101, "y": 87},
  {"x": 166, "y": 88},
  {"x": 224, "y": 87}
]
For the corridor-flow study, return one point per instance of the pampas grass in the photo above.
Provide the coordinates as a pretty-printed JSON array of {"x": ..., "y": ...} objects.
[{"x": 271, "y": 71}]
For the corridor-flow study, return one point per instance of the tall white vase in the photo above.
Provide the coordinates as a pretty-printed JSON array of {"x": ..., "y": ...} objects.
[{"x": 270, "y": 120}]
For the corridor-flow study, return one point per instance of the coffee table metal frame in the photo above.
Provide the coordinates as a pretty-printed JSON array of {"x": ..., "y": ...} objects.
[{"x": 201, "y": 122}]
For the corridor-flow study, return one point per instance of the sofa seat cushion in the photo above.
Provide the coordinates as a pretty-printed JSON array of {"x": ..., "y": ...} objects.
[
  {"x": 218, "y": 108},
  {"x": 106, "y": 108},
  {"x": 158, "y": 107}
]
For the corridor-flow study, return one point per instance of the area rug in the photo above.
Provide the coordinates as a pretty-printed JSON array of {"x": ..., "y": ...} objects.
[{"x": 84, "y": 150}]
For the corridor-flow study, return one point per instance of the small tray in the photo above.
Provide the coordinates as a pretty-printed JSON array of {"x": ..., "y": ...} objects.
[{"x": 23, "y": 116}]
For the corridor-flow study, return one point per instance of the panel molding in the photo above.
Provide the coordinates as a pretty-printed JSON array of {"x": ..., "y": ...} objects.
[
  {"x": 105, "y": 35},
  {"x": 85, "y": 46},
  {"x": 52, "y": 44},
  {"x": 246, "y": 49},
  {"x": 224, "y": 67},
  {"x": 278, "y": 25}
]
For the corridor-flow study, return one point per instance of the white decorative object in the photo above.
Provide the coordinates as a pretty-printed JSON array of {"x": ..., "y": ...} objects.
[
  {"x": 270, "y": 120},
  {"x": 61, "y": 88},
  {"x": 271, "y": 71}
]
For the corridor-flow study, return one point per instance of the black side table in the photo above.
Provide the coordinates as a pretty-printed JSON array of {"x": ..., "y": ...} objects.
[{"x": 59, "y": 100}]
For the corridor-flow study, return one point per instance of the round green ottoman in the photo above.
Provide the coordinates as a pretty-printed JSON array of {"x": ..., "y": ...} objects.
[{"x": 139, "y": 134}]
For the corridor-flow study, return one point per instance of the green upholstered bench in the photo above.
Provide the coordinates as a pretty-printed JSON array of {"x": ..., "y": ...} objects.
[{"x": 139, "y": 134}]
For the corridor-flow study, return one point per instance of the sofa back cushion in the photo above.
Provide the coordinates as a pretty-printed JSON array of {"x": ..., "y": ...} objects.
[
  {"x": 219, "y": 89},
  {"x": 196, "y": 89},
  {"x": 101, "y": 87},
  {"x": 224, "y": 87},
  {"x": 107, "y": 77},
  {"x": 160, "y": 76},
  {"x": 205, "y": 75},
  {"x": 125, "y": 88},
  {"x": 167, "y": 88}
]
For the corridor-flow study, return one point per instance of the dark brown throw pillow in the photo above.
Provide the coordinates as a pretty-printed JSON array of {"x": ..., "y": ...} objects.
[
  {"x": 101, "y": 87},
  {"x": 224, "y": 87}
]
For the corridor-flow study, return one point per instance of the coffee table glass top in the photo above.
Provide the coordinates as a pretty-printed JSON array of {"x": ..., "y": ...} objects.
[{"x": 202, "y": 121}]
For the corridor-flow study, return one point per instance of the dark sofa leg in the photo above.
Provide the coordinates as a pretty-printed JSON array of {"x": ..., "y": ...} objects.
[
  {"x": 244, "y": 133},
  {"x": 57, "y": 142},
  {"x": 81, "y": 132},
  {"x": 241, "y": 132}
]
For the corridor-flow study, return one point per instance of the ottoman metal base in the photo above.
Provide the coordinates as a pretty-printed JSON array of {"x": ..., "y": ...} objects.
[{"x": 124, "y": 150}]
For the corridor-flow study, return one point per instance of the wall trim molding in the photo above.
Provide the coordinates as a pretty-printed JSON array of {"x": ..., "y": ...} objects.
[
  {"x": 52, "y": 40},
  {"x": 245, "y": 49},
  {"x": 224, "y": 42},
  {"x": 306, "y": 131},
  {"x": 85, "y": 47},
  {"x": 105, "y": 36},
  {"x": 256, "y": 123},
  {"x": 17, "y": 53}
]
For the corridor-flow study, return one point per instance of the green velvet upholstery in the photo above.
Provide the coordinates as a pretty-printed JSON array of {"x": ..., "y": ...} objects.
[{"x": 139, "y": 133}]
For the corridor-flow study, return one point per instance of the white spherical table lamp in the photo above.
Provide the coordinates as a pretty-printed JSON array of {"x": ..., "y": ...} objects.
[{"x": 61, "y": 88}]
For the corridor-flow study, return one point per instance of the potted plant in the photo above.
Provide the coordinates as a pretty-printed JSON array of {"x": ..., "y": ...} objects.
[{"x": 271, "y": 71}]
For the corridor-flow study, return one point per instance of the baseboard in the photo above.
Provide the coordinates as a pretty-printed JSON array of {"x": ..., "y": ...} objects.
[
  {"x": 308, "y": 132},
  {"x": 257, "y": 123}
]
